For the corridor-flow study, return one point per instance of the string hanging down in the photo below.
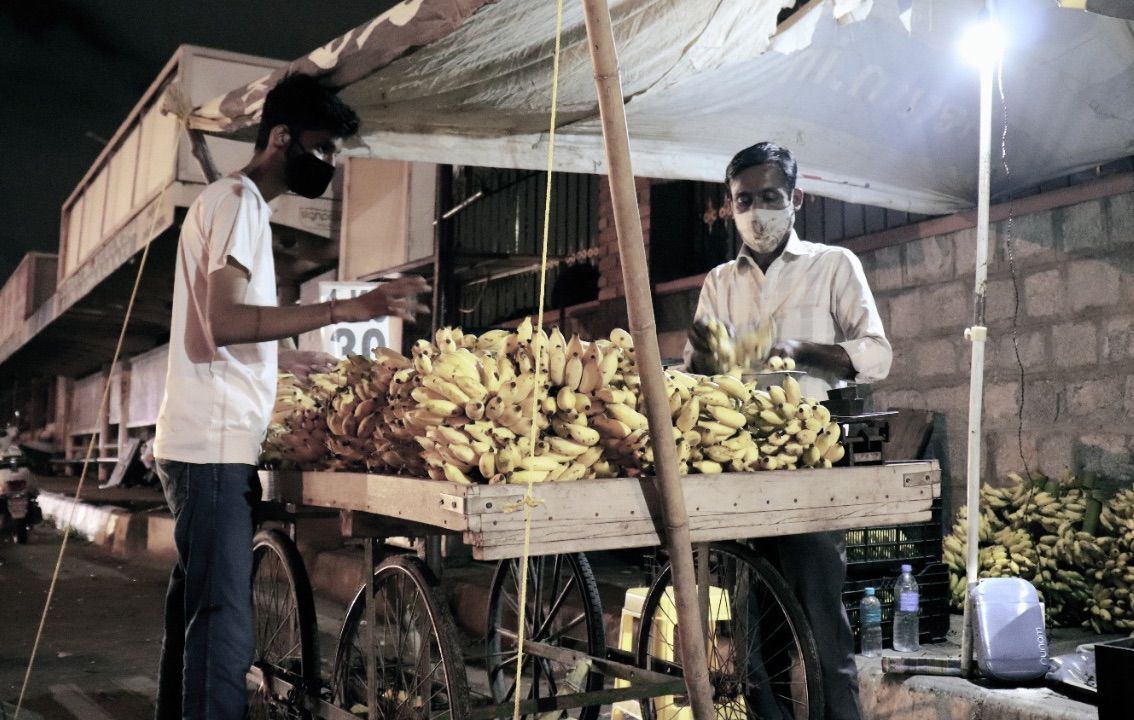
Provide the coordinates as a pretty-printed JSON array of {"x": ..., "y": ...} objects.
[
  {"x": 176, "y": 106},
  {"x": 538, "y": 336}
]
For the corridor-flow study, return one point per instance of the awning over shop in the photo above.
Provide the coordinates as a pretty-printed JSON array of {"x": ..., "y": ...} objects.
[{"x": 872, "y": 95}]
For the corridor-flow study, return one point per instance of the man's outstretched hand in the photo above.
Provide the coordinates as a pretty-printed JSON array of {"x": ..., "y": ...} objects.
[{"x": 397, "y": 298}]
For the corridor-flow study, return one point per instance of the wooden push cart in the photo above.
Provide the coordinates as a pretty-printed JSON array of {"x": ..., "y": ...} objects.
[{"x": 398, "y": 656}]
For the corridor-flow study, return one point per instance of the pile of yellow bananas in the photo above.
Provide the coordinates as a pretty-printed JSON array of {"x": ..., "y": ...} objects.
[
  {"x": 474, "y": 409},
  {"x": 1062, "y": 536}
]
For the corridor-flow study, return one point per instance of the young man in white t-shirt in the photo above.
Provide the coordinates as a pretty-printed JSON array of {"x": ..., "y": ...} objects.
[{"x": 221, "y": 385}]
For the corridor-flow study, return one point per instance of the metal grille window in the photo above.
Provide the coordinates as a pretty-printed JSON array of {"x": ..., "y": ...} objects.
[{"x": 497, "y": 238}]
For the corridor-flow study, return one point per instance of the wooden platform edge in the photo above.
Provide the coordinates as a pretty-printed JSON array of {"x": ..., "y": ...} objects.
[{"x": 623, "y": 512}]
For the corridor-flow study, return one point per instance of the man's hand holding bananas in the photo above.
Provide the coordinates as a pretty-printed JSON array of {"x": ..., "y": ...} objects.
[
  {"x": 712, "y": 347},
  {"x": 719, "y": 348}
]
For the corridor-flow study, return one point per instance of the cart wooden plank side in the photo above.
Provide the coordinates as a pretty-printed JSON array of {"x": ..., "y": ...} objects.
[{"x": 589, "y": 515}]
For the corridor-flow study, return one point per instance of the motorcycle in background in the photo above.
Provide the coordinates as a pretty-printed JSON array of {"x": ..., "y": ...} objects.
[{"x": 19, "y": 509}]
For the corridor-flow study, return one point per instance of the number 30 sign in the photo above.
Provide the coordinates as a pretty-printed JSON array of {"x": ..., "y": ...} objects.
[{"x": 359, "y": 338}]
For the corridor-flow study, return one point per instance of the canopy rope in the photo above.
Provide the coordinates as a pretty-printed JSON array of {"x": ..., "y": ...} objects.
[{"x": 530, "y": 501}]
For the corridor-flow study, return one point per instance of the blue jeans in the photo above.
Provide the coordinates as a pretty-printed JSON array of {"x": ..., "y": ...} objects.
[
  {"x": 209, "y": 626},
  {"x": 818, "y": 583}
]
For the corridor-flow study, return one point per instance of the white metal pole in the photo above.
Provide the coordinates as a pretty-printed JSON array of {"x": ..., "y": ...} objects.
[{"x": 977, "y": 335}]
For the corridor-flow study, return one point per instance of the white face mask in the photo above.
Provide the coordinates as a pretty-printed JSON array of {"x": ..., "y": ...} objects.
[{"x": 762, "y": 229}]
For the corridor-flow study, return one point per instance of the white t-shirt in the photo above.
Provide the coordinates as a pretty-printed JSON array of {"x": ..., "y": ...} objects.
[{"x": 218, "y": 401}]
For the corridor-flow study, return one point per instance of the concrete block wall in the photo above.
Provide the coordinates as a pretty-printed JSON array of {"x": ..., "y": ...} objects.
[{"x": 1074, "y": 334}]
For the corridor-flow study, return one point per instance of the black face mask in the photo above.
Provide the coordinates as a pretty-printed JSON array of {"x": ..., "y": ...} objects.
[{"x": 307, "y": 175}]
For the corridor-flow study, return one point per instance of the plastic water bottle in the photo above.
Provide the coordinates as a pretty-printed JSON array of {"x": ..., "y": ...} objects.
[
  {"x": 870, "y": 623},
  {"x": 906, "y": 602}
]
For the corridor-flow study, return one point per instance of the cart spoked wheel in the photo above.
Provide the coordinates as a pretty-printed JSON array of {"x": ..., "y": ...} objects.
[
  {"x": 285, "y": 624},
  {"x": 563, "y": 609},
  {"x": 419, "y": 669},
  {"x": 763, "y": 662}
]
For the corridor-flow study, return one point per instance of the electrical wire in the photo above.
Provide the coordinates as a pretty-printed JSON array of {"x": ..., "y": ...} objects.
[{"x": 1010, "y": 254}]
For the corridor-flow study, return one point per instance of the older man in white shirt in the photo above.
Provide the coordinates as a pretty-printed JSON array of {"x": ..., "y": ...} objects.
[{"x": 826, "y": 320}]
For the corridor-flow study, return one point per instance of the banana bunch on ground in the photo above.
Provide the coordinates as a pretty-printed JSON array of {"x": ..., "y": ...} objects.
[
  {"x": 1114, "y": 577},
  {"x": 1059, "y": 534},
  {"x": 1005, "y": 552}
]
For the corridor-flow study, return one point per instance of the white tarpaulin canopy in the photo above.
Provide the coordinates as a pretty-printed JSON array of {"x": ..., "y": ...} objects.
[{"x": 878, "y": 106}]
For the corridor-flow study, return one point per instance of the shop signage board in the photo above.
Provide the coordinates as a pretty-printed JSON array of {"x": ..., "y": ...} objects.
[{"x": 350, "y": 338}]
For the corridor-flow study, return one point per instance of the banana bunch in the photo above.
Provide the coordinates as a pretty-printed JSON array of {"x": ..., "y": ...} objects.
[
  {"x": 721, "y": 345},
  {"x": 1060, "y": 534},
  {"x": 471, "y": 406},
  {"x": 754, "y": 344},
  {"x": 709, "y": 425},
  {"x": 722, "y": 424},
  {"x": 793, "y": 431},
  {"x": 999, "y": 550},
  {"x": 297, "y": 432},
  {"x": 748, "y": 350},
  {"x": 1117, "y": 517},
  {"x": 1112, "y": 607},
  {"x": 355, "y": 408},
  {"x": 776, "y": 363}
]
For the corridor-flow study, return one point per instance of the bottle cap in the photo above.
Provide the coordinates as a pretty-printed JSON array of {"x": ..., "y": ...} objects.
[
  {"x": 907, "y": 568},
  {"x": 869, "y": 591}
]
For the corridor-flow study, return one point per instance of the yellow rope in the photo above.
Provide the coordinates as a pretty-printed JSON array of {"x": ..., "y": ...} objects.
[
  {"x": 530, "y": 501},
  {"x": 103, "y": 406}
]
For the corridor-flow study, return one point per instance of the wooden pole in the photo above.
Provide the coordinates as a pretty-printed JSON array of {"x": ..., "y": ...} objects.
[
  {"x": 640, "y": 308},
  {"x": 204, "y": 157}
]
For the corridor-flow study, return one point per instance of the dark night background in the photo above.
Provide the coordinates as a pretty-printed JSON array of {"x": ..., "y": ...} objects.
[{"x": 70, "y": 71}]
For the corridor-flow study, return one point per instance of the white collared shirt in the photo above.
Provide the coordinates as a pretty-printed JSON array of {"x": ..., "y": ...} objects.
[{"x": 817, "y": 293}]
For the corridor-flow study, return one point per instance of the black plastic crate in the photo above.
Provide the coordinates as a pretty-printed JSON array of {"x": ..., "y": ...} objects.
[
  {"x": 933, "y": 588},
  {"x": 1114, "y": 665},
  {"x": 881, "y": 550}
]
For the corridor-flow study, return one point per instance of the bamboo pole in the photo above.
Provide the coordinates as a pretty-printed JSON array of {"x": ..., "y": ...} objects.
[{"x": 640, "y": 308}]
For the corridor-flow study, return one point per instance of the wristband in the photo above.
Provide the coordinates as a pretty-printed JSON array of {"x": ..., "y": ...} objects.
[{"x": 334, "y": 301}]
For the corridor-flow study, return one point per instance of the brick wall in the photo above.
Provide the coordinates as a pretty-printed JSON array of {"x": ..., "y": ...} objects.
[
  {"x": 1075, "y": 271},
  {"x": 610, "y": 263}
]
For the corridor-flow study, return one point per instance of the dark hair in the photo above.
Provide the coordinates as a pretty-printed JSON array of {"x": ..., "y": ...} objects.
[
  {"x": 301, "y": 103},
  {"x": 761, "y": 154}
]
